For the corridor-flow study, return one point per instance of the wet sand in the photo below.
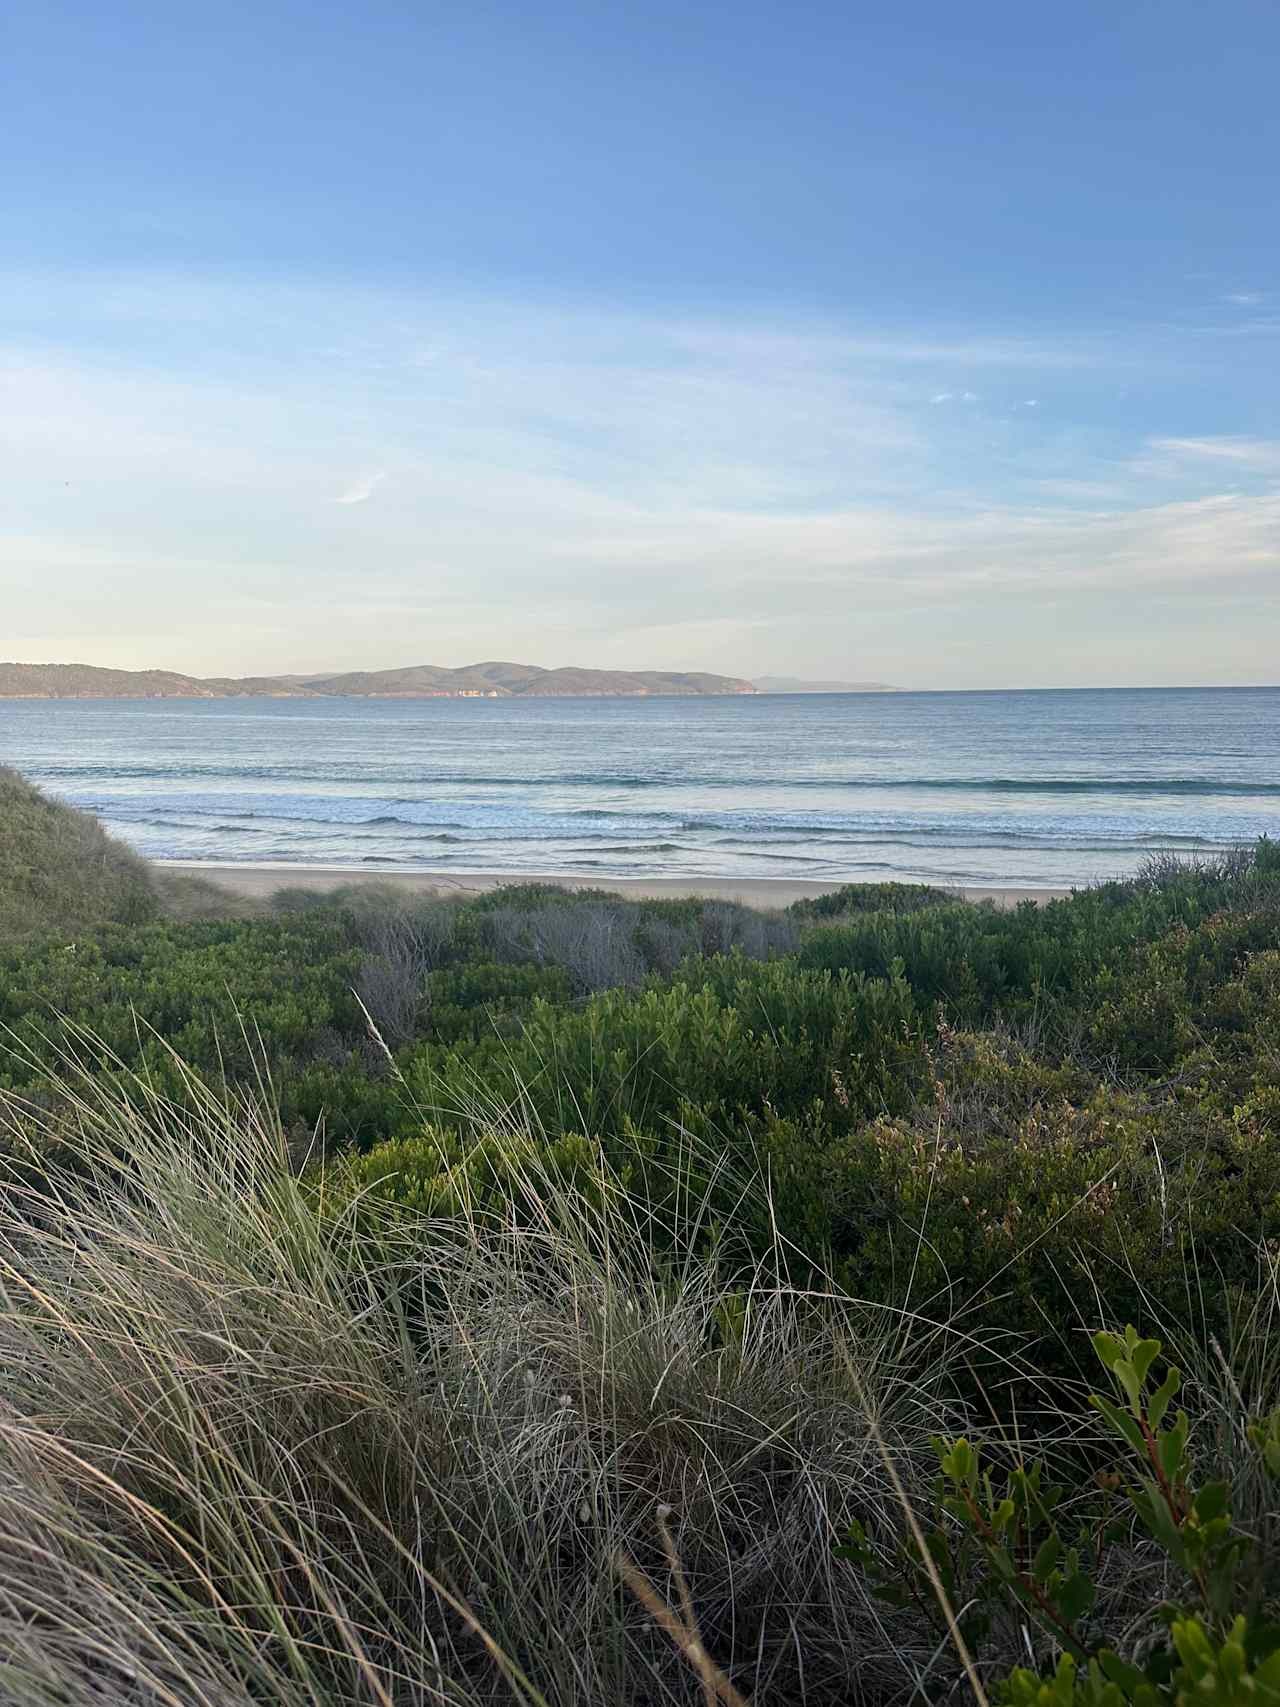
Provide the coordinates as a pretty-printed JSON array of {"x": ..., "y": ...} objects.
[{"x": 258, "y": 882}]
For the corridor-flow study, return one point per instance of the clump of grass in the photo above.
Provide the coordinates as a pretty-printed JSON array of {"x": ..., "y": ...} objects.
[
  {"x": 1165, "y": 869},
  {"x": 249, "y": 1451}
]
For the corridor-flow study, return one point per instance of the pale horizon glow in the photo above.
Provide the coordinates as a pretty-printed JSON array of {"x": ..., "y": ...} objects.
[{"x": 274, "y": 435}]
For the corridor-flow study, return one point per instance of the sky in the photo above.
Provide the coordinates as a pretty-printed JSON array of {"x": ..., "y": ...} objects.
[{"x": 929, "y": 344}]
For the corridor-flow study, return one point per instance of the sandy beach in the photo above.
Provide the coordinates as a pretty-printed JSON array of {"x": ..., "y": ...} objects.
[{"x": 257, "y": 882}]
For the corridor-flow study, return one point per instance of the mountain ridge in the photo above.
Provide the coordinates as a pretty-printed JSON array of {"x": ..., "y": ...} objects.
[{"x": 493, "y": 679}]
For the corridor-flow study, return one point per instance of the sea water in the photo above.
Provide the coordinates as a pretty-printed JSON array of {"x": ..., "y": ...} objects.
[{"x": 1023, "y": 789}]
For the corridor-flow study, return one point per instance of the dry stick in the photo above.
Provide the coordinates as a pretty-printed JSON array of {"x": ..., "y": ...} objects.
[
  {"x": 917, "y": 1534},
  {"x": 715, "y": 1685},
  {"x": 682, "y": 1588}
]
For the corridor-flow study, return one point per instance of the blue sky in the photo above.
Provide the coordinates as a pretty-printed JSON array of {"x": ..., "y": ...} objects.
[{"x": 926, "y": 343}]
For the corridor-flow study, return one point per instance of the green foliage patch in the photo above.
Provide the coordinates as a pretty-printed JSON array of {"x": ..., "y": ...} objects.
[
  {"x": 1013, "y": 1541},
  {"x": 948, "y": 1107}
]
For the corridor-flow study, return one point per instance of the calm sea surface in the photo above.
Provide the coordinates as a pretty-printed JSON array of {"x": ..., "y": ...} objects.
[{"x": 1002, "y": 788}]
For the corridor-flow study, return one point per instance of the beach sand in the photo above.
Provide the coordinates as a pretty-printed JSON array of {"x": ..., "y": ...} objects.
[{"x": 258, "y": 882}]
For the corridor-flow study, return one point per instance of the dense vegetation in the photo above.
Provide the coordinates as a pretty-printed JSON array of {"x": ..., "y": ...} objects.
[{"x": 399, "y": 1291}]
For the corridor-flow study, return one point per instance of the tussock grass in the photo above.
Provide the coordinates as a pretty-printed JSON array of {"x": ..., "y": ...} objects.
[{"x": 249, "y": 1452}]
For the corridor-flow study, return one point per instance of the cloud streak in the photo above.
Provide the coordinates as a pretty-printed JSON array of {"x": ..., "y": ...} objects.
[
  {"x": 1247, "y": 453},
  {"x": 361, "y": 490}
]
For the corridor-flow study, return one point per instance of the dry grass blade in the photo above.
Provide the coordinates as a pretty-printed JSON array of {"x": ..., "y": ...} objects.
[{"x": 683, "y": 1632}]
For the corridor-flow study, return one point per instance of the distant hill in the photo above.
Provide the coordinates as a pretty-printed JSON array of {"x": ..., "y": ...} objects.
[
  {"x": 419, "y": 681},
  {"x": 59, "y": 871},
  {"x": 86, "y": 681},
  {"x": 794, "y": 684}
]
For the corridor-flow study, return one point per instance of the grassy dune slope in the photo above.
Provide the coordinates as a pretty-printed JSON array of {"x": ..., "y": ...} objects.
[{"x": 60, "y": 871}]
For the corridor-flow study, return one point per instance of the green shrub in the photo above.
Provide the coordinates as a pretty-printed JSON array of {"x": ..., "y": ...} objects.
[
  {"x": 872, "y": 898},
  {"x": 437, "y": 1173},
  {"x": 748, "y": 1038},
  {"x": 230, "y": 996},
  {"x": 1025, "y": 1194},
  {"x": 1017, "y": 1542}
]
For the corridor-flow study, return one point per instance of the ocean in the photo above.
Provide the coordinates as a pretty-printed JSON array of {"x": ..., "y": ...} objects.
[{"x": 1019, "y": 789}]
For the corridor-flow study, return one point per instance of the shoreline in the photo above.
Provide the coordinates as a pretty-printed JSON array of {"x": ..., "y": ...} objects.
[{"x": 259, "y": 882}]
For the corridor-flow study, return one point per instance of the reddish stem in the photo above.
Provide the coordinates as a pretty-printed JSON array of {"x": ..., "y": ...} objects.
[{"x": 1027, "y": 1584}]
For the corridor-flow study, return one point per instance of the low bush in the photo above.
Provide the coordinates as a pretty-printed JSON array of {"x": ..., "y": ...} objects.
[
  {"x": 1010, "y": 1543},
  {"x": 740, "y": 1042},
  {"x": 853, "y": 898},
  {"x": 228, "y": 995}
]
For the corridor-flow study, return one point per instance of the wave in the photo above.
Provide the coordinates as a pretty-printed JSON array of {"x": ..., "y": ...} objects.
[
  {"x": 634, "y": 848},
  {"x": 305, "y": 830},
  {"x": 761, "y": 836},
  {"x": 658, "y": 777},
  {"x": 961, "y": 835},
  {"x": 726, "y": 829},
  {"x": 1072, "y": 785}
]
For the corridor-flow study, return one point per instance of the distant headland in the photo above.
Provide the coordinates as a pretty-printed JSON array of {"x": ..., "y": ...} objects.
[{"x": 419, "y": 681}]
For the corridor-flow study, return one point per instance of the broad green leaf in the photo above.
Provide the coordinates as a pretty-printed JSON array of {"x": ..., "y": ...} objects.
[
  {"x": 1121, "y": 1422},
  {"x": 1076, "y": 1597},
  {"x": 1119, "y": 1671},
  {"x": 1109, "y": 1349},
  {"x": 1212, "y": 1501},
  {"x": 1161, "y": 1398},
  {"x": 1047, "y": 1556},
  {"x": 1143, "y": 1356},
  {"x": 1172, "y": 1447}
]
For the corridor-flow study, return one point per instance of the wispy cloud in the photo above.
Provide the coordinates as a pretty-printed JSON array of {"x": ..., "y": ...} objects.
[
  {"x": 1246, "y": 453},
  {"x": 1244, "y": 298},
  {"x": 361, "y": 489}
]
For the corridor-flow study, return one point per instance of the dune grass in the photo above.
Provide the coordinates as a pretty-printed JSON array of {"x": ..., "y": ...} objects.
[{"x": 249, "y": 1452}]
